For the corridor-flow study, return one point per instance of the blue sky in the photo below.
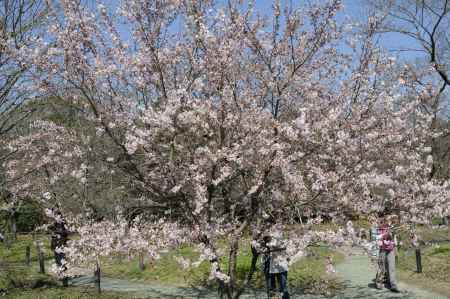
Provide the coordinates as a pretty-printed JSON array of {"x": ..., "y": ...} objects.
[
  {"x": 354, "y": 9},
  {"x": 393, "y": 42},
  {"x": 358, "y": 10}
]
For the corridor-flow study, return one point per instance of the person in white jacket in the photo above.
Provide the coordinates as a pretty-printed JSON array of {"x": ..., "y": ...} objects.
[{"x": 279, "y": 262}]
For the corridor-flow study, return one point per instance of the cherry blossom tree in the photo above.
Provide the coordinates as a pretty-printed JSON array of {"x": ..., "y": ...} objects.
[{"x": 219, "y": 116}]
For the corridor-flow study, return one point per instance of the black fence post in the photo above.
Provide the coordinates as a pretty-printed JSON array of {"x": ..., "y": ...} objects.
[
  {"x": 40, "y": 253},
  {"x": 141, "y": 262},
  {"x": 28, "y": 255},
  {"x": 418, "y": 260},
  {"x": 97, "y": 276}
]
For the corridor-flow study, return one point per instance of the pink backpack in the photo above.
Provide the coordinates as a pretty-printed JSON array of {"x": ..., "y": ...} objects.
[{"x": 387, "y": 245}]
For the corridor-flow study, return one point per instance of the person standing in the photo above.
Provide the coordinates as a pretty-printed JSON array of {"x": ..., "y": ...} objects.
[
  {"x": 265, "y": 259},
  {"x": 279, "y": 263},
  {"x": 388, "y": 253},
  {"x": 386, "y": 258},
  {"x": 59, "y": 238},
  {"x": 380, "y": 277}
]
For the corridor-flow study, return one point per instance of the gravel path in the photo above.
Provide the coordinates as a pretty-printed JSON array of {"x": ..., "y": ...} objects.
[{"x": 356, "y": 270}]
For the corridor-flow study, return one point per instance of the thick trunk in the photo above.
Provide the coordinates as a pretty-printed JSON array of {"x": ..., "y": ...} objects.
[
  {"x": 248, "y": 279},
  {"x": 233, "y": 292},
  {"x": 232, "y": 263}
]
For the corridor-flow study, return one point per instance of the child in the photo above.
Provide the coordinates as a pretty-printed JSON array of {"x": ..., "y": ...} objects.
[{"x": 329, "y": 265}]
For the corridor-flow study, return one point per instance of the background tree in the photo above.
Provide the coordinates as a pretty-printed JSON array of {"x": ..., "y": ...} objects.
[
  {"x": 20, "y": 22},
  {"x": 426, "y": 25}
]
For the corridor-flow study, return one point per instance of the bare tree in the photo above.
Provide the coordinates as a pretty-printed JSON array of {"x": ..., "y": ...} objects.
[
  {"x": 427, "y": 22},
  {"x": 19, "y": 20},
  {"x": 19, "y": 24}
]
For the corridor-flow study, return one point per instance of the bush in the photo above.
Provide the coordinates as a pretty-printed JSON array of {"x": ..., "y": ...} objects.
[{"x": 28, "y": 216}]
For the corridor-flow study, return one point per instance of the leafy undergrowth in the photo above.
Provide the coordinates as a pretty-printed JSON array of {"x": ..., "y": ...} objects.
[
  {"x": 23, "y": 278},
  {"x": 306, "y": 276}
]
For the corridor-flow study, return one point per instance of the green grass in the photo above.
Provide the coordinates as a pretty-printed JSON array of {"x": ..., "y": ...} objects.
[
  {"x": 13, "y": 271},
  {"x": 65, "y": 293},
  {"x": 23, "y": 277},
  {"x": 308, "y": 274},
  {"x": 435, "y": 261},
  {"x": 23, "y": 282},
  {"x": 165, "y": 270},
  {"x": 16, "y": 252}
]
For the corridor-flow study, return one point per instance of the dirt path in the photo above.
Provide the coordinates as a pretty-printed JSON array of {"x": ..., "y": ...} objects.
[{"x": 355, "y": 270}]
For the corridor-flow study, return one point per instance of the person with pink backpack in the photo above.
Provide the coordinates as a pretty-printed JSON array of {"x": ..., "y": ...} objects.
[{"x": 386, "y": 260}]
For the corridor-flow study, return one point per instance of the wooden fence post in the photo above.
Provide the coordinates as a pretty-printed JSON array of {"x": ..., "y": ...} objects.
[
  {"x": 141, "y": 262},
  {"x": 7, "y": 241},
  {"x": 40, "y": 256},
  {"x": 28, "y": 255},
  {"x": 97, "y": 276},
  {"x": 418, "y": 260}
]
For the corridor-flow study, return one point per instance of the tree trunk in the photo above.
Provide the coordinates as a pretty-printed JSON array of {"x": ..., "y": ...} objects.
[
  {"x": 248, "y": 279},
  {"x": 232, "y": 263}
]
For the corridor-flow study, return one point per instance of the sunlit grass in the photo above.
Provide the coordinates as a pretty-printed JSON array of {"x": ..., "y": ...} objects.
[
  {"x": 66, "y": 293},
  {"x": 308, "y": 274}
]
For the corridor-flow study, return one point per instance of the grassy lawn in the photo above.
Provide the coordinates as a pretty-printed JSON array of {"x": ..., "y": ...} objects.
[
  {"x": 165, "y": 270},
  {"x": 23, "y": 282},
  {"x": 13, "y": 271},
  {"x": 435, "y": 268},
  {"x": 435, "y": 261},
  {"x": 308, "y": 274},
  {"x": 65, "y": 293},
  {"x": 16, "y": 253}
]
